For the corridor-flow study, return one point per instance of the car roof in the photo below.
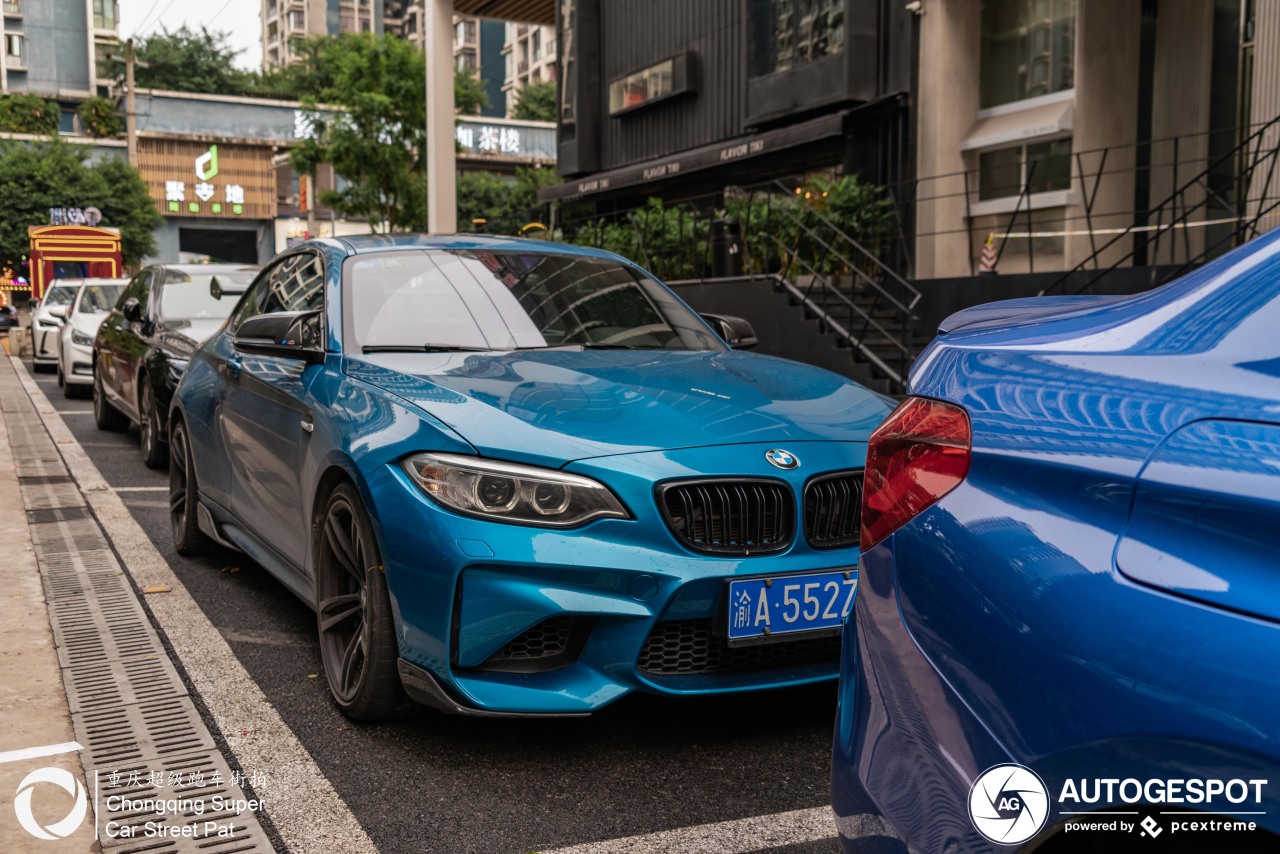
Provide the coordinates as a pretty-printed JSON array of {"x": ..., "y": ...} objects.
[
  {"x": 360, "y": 244},
  {"x": 210, "y": 269}
]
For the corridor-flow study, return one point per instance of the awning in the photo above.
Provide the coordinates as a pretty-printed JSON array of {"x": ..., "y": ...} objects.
[
  {"x": 520, "y": 11},
  {"x": 696, "y": 159},
  {"x": 1014, "y": 126}
]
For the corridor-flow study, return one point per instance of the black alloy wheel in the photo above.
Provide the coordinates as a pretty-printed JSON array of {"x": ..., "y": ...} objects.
[
  {"x": 188, "y": 539},
  {"x": 155, "y": 452},
  {"x": 357, "y": 630}
]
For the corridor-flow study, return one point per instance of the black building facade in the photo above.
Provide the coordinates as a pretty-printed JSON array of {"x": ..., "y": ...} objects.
[{"x": 680, "y": 98}]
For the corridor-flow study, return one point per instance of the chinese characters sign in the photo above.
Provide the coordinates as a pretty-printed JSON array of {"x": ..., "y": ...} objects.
[
  {"x": 196, "y": 179},
  {"x": 529, "y": 141}
]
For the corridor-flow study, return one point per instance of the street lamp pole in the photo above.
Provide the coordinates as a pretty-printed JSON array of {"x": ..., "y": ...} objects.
[{"x": 442, "y": 181}]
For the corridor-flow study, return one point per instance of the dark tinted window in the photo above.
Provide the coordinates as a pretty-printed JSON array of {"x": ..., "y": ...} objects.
[
  {"x": 511, "y": 300},
  {"x": 295, "y": 283}
]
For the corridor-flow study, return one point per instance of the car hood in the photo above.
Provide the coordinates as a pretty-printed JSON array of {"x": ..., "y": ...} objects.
[
  {"x": 86, "y": 323},
  {"x": 556, "y": 406}
]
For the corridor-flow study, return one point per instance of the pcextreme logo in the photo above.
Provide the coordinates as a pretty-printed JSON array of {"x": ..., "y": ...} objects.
[
  {"x": 1008, "y": 804},
  {"x": 64, "y": 780}
]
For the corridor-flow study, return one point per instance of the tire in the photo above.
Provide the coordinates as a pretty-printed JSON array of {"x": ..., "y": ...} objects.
[
  {"x": 69, "y": 390},
  {"x": 353, "y": 613},
  {"x": 106, "y": 416},
  {"x": 61, "y": 379},
  {"x": 188, "y": 539},
  {"x": 155, "y": 452}
]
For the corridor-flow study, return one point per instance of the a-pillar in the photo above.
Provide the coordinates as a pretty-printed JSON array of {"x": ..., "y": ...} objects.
[{"x": 442, "y": 181}]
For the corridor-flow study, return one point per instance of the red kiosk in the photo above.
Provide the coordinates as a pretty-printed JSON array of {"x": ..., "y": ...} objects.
[{"x": 72, "y": 252}]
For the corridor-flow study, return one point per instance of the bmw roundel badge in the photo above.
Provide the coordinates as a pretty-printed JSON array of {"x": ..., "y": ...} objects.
[{"x": 782, "y": 459}]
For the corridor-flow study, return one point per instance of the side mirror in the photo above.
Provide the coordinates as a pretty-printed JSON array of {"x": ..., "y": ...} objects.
[
  {"x": 286, "y": 334},
  {"x": 59, "y": 311},
  {"x": 735, "y": 331},
  {"x": 132, "y": 310}
]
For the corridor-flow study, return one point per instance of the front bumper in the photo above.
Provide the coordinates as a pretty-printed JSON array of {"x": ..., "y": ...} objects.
[
  {"x": 528, "y": 620},
  {"x": 44, "y": 343}
]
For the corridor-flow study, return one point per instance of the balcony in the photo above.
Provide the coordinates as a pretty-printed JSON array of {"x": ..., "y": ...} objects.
[{"x": 12, "y": 9}]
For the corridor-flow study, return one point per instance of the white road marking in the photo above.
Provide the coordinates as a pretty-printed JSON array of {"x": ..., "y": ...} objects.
[
  {"x": 75, "y": 411},
  {"x": 740, "y": 836},
  {"x": 139, "y": 489},
  {"x": 301, "y": 802},
  {"x": 37, "y": 752}
]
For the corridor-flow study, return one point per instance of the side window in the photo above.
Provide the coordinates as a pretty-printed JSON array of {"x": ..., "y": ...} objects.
[
  {"x": 296, "y": 283},
  {"x": 251, "y": 302},
  {"x": 136, "y": 289}
]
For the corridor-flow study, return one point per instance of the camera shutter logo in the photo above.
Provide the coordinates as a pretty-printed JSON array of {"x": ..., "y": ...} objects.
[
  {"x": 1008, "y": 804},
  {"x": 64, "y": 780}
]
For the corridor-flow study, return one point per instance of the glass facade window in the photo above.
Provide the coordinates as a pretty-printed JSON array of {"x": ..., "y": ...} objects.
[
  {"x": 1043, "y": 167},
  {"x": 106, "y": 14},
  {"x": 567, "y": 21},
  {"x": 643, "y": 86},
  {"x": 15, "y": 50},
  {"x": 1028, "y": 49},
  {"x": 786, "y": 34},
  {"x": 297, "y": 21}
]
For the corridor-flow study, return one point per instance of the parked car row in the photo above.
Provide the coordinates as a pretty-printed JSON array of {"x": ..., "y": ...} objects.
[{"x": 520, "y": 479}]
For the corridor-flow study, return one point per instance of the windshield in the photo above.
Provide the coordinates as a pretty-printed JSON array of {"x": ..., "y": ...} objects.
[
  {"x": 184, "y": 297},
  {"x": 60, "y": 295},
  {"x": 505, "y": 301},
  {"x": 98, "y": 299}
]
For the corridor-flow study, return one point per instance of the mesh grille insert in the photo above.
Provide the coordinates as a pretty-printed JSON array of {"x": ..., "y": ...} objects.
[
  {"x": 833, "y": 510},
  {"x": 548, "y": 638},
  {"x": 683, "y": 647},
  {"x": 740, "y": 516}
]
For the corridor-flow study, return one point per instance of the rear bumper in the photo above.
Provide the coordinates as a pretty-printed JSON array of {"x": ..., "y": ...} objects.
[{"x": 906, "y": 749}]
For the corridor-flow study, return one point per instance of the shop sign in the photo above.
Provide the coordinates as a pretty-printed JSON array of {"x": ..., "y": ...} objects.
[{"x": 75, "y": 216}]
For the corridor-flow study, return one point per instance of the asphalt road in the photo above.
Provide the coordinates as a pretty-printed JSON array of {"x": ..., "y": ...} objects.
[{"x": 435, "y": 783}]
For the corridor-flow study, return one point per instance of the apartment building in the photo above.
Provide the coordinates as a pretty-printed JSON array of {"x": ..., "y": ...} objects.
[
  {"x": 530, "y": 52},
  {"x": 58, "y": 49},
  {"x": 286, "y": 22}
]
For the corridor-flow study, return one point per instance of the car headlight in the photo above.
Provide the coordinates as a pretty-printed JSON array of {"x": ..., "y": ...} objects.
[
  {"x": 78, "y": 337},
  {"x": 510, "y": 492}
]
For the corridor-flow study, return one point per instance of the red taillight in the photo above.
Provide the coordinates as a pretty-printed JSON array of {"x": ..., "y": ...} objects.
[{"x": 919, "y": 454}]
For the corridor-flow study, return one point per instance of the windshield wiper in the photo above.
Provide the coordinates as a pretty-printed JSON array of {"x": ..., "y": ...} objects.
[
  {"x": 600, "y": 345},
  {"x": 422, "y": 348}
]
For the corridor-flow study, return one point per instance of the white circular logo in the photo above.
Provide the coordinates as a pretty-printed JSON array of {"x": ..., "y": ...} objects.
[
  {"x": 64, "y": 780},
  {"x": 1008, "y": 804}
]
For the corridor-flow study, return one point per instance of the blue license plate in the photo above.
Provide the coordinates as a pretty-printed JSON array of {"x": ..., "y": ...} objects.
[{"x": 785, "y": 604}]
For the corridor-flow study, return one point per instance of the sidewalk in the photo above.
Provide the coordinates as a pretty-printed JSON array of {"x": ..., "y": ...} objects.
[
  {"x": 33, "y": 701},
  {"x": 86, "y": 670}
]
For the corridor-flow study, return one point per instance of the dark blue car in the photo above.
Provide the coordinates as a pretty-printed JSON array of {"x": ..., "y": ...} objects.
[
  {"x": 1069, "y": 606},
  {"x": 520, "y": 478}
]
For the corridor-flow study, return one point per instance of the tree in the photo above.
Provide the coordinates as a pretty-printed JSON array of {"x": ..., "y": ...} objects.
[
  {"x": 507, "y": 205},
  {"x": 536, "y": 102},
  {"x": 36, "y": 177},
  {"x": 380, "y": 82},
  {"x": 469, "y": 97},
  {"x": 188, "y": 61},
  {"x": 28, "y": 114},
  {"x": 99, "y": 119}
]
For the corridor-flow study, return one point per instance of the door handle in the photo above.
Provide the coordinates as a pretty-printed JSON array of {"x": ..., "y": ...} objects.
[{"x": 307, "y": 427}]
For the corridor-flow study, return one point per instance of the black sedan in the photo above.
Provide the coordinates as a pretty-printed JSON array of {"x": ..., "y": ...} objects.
[{"x": 143, "y": 346}]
